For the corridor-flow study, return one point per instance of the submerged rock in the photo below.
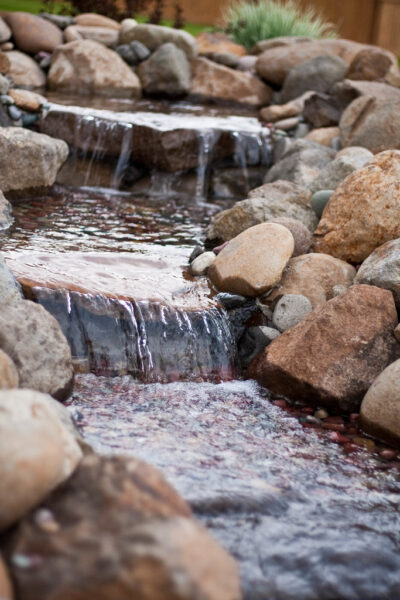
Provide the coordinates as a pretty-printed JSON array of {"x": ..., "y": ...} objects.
[
  {"x": 364, "y": 211},
  {"x": 34, "y": 341},
  {"x": 29, "y": 160},
  {"x": 87, "y": 67},
  {"x": 166, "y": 72},
  {"x": 380, "y": 408},
  {"x": 253, "y": 261},
  {"x": 382, "y": 268},
  {"x": 280, "y": 199},
  {"x": 136, "y": 526},
  {"x": 332, "y": 356},
  {"x": 37, "y": 452}
]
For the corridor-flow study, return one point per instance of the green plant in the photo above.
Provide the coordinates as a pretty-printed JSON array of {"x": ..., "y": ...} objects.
[{"x": 250, "y": 22}]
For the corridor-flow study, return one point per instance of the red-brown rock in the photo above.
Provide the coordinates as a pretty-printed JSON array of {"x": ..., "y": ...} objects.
[
  {"x": 119, "y": 532},
  {"x": 6, "y": 592},
  {"x": 4, "y": 63},
  {"x": 209, "y": 43},
  {"x": 33, "y": 34},
  {"x": 333, "y": 355}
]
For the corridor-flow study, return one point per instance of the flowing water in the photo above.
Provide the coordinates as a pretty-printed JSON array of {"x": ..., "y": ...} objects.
[{"x": 305, "y": 520}]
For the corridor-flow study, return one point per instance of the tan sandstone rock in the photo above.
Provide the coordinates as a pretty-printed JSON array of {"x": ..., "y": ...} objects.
[
  {"x": 32, "y": 34},
  {"x": 253, "y": 262},
  {"x": 209, "y": 43},
  {"x": 276, "y": 112},
  {"x": 8, "y": 373},
  {"x": 314, "y": 276},
  {"x": 34, "y": 341},
  {"x": 380, "y": 408},
  {"x": 27, "y": 100},
  {"x": 364, "y": 211},
  {"x": 37, "y": 452},
  {"x": 24, "y": 71},
  {"x": 87, "y": 67},
  {"x": 6, "y": 592},
  {"x": 333, "y": 355},
  {"x": 373, "y": 64},
  {"x": 323, "y": 135},
  {"x": 268, "y": 202},
  {"x": 102, "y": 35},
  {"x": 120, "y": 513},
  {"x": 95, "y": 20},
  {"x": 214, "y": 81}
]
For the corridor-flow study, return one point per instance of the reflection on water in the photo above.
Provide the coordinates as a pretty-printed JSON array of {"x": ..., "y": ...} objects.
[{"x": 305, "y": 521}]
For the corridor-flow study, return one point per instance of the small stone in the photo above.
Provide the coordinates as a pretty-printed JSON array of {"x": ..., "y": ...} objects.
[
  {"x": 14, "y": 112},
  {"x": 321, "y": 414},
  {"x": 365, "y": 443},
  {"x": 29, "y": 119},
  {"x": 301, "y": 235},
  {"x": 26, "y": 100},
  {"x": 201, "y": 264},
  {"x": 338, "y": 289},
  {"x": 288, "y": 124},
  {"x": 4, "y": 85},
  {"x": 46, "y": 521},
  {"x": 290, "y": 310},
  {"x": 388, "y": 454},
  {"x": 319, "y": 200},
  {"x": 127, "y": 54},
  {"x": 230, "y": 301},
  {"x": 197, "y": 250},
  {"x": 338, "y": 438},
  {"x": 6, "y": 100},
  {"x": 140, "y": 51}
]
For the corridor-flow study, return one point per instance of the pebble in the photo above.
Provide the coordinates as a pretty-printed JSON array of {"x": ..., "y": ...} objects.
[
  {"x": 140, "y": 50},
  {"x": 280, "y": 402},
  {"x": 6, "y": 100},
  {"x": 197, "y": 250},
  {"x": 14, "y": 112},
  {"x": 201, "y": 264},
  {"x": 319, "y": 200},
  {"x": 321, "y": 414},
  {"x": 290, "y": 310},
  {"x": 387, "y": 454},
  {"x": 338, "y": 438},
  {"x": 350, "y": 448},
  {"x": 333, "y": 426},
  {"x": 29, "y": 119},
  {"x": 365, "y": 443}
]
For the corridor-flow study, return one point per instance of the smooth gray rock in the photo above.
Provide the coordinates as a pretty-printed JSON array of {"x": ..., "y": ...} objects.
[
  {"x": 319, "y": 200},
  {"x": 319, "y": 74},
  {"x": 4, "y": 85},
  {"x": 154, "y": 36},
  {"x": 253, "y": 341},
  {"x": 10, "y": 290},
  {"x": 337, "y": 170},
  {"x": 290, "y": 310},
  {"x": 382, "y": 269},
  {"x": 166, "y": 72}
]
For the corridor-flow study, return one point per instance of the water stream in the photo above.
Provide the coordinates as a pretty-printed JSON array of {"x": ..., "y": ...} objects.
[{"x": 305, "y": 520}]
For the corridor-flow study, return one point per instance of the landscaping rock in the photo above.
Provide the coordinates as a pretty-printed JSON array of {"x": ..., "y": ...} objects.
[
  {"x": 380, "y": 408},
  {"x": 301, "y": 235},
  {"x": 26, "y": 100},
  {"x": 10, "y": 290},
  {"x": 276, "y": 112},
  {"x": 372, "y": 64},
  {"x": 34, "y": 341},
  {"x": 29, "y": 160},
  {"x": 8, "y": 374},
  {"x": 6, "y": 217},
  {"x": 253, "y": 262},
  {"x": 336, "y": 171},
  {"x": 4, "y": 85},
  {"x": 95, "y": 20},
  {"x": 5, "y": 31},
  {"x": 290, "y": 310},
  {"x": 216, "y": 42},
  {"x": 87, "y": 67},
  {"x": 6, "y": 592},
  {"x": 25, "y": 72},
  {"x": 135, "y": 526},
  {"x": 213, "y": 81},
  {"x": 382, "y": 269},
  {"x": 4, "y": 63},
  {"x": 288, "y": 124},
  {"x": 332, "y": 356},
  {"x": 200, "y": 264},
  {"x": 247, "y": 63},
  {"x": 154, "y": 36},
  {"x": 166, "y": 72},
  {"x": 323, "y": 135},
  {"x": 314, "y": 276},
  {"x": 277, "y": 42},
  {"x": 323, "y": 110},
  {"x": 103, "y": 35},
  {"x": 364, "y": 211},
  {"x": 37, "y": 452},
  {"x": 60, "y": 21},
  {"x": 133, "y": 53},
  {"x": 253, "y": 341},
  {"x": 224, "y": 58},
  {"x": 371, "y": 123},
  {"x": 275, "y": 62},
  {"x": 32, "y": 34},
  {"x": 348, "y": 90},
  {"x": 319, "y": 200},
  {"x": 266, "y": 203},
  {"x": 319, "y": 74},
  {"x": 300, "y": 163}
]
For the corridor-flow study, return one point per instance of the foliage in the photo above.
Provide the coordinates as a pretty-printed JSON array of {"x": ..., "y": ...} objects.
[{"x": 250, "y": 22}]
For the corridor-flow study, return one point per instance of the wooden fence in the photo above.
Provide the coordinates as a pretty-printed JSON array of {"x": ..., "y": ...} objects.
[{"x": 368, "y": 21}]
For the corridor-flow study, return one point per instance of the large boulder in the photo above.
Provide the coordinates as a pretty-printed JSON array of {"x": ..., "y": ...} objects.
[
  {"x": 380, "y": 408},
  {"x": 364, "y": 211},
  {"x": 24, "y": 71},
  {"x": 121, "y": 532},
  {"x": 87, "y": 67},
  {"x": 217, "y": 82},
  {"x": 8, "y": 373},
  {"x": 332, "y": 356},
  {"x": 373, "y": 64},
  {"x": 314, "y": 276},
  {"x": 34, "y": 341},
  {"x": 382, "y": 268},
  {"x": 29, "y": 160},
  {"x": 166, "y": 72},
  {"x": 32, "y": 34},
  {"x": 371, "y": 123},
  {"x": 6, "y": 591},
  {"x": 319, "y": 74},
  {"x": 37, "y": 452},
  {"x": 300, "y": 163},
  {"x": 6, "y": 217},
  {"x": 344, "y": 164},
  {"x": 253, "y": 262},
  {"x": 268, "y": 202},
  {"x": 275, "y": 62},
  {"x": 154, "y": 36}
]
